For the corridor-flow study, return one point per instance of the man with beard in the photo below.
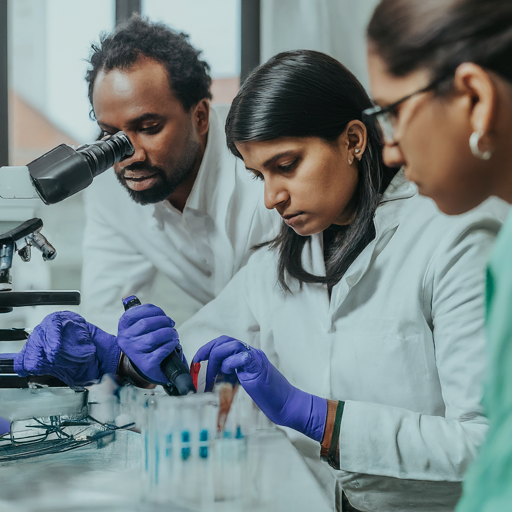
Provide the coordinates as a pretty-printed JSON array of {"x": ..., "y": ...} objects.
[{"x": 186, "y": 207}]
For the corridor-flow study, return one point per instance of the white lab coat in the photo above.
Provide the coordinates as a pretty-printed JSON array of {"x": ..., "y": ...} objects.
[
  {"x": 401, "y": 342},
  {"x": 200, "y": 250}
]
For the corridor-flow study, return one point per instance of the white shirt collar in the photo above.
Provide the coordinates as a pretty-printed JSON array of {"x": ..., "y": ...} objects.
[
  {"x": 202, "y": 195},
  {"x": 210, "y": 180}
]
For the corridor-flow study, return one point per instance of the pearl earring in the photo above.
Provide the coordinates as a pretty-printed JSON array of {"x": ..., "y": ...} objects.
[
  {"x": 474, "y": 144},
  {"x": 357, "y": 150}
]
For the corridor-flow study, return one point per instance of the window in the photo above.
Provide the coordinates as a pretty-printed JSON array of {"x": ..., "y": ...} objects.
[
  {"x": 49, "y": 43},
  {"x": 214, "y": 28}
]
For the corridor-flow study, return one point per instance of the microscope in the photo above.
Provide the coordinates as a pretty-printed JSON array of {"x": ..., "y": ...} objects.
[{"x": 53, "y": 177}]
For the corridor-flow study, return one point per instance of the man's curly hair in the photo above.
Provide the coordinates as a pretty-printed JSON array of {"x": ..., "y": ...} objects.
[{"x": 189, "y": 77}]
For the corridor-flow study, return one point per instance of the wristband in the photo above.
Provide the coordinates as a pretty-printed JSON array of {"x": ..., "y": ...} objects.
[{"x": 333, "y": 455}]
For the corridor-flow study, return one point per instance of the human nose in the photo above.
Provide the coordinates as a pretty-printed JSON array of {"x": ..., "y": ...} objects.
[
  {"x": 139, "y": 155},
  {"x": 274, "y": 194},
  {"x": 392, "y": 155}
]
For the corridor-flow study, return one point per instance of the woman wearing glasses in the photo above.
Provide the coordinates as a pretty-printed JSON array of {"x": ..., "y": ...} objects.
[
  {"x": 441, "y": 73},
  {"x": 360, "y": 325}
]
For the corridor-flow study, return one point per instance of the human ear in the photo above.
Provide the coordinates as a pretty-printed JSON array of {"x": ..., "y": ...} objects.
[
  {"x": 201, "y": 116},
  {"x": 356, "y": 139},
  {"x": 476, "y": 83}
]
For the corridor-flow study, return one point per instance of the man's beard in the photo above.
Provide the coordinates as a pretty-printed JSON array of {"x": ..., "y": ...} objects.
[{"x": 166, "y": 183}]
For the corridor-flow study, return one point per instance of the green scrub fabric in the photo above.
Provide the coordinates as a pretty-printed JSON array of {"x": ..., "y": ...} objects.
[{"x": 488, "y": 483}]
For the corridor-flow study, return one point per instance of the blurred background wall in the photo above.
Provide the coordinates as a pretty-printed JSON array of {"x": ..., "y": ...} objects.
[
  {"x": 335, "y": 27},
  {"x": 48, "y": 43}
]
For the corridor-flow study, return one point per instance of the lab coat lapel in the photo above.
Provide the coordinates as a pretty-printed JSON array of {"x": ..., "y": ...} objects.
[
  {"x": 313, "y": 262},
  {"x": 387, "y": 219},
  {"x": 313, "y": 256}
]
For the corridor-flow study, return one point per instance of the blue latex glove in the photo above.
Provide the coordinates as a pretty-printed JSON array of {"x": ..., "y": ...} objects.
[
  {"x": 147, "y": 336},
  {"x": 66, "y": 346},
  {"x": 281, "y": 402}
]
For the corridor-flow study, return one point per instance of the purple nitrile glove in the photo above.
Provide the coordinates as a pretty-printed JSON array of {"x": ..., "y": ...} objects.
[
  {"x": 281, "y": 402},
  {"x": 147, "y": 336},
  {"x": 5, "y": 426},
  {"x": 66, "y": 346}
]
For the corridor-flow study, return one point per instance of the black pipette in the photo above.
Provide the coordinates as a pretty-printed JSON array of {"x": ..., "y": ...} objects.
[{"x": 173, "y": 366}]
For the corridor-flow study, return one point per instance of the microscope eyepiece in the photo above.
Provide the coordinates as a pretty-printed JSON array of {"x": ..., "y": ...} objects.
[
  {"x": 104, "y": 153},
  {"x": 64, "y": 171}
]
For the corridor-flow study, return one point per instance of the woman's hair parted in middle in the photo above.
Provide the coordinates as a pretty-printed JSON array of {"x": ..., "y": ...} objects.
[{"x": 304, "y": 93}]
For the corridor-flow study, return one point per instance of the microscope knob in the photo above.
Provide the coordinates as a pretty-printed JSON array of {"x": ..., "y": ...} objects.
[{"x": 25, "y": 253}]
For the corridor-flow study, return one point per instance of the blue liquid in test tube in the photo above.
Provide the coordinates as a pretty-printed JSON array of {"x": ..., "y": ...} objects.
[
  {"x": 168, "y": 448},
  {"x": 203, "y": 444},
  {"x": 185, "y": 449}
]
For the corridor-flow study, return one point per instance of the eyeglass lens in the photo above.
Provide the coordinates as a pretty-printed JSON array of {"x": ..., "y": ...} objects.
[{"x": 387, "y": 125}]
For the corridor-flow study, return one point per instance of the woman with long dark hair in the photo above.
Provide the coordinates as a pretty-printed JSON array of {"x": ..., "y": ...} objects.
[
  {"x": 441, "y": 75},
  {"x": 360, "y": 327}
]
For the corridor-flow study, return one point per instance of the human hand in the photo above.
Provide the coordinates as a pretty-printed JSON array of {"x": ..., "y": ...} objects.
[
  {"x": 147, "y": 336},
  {"x": 281, "y": 402},
  {"x": 66, "y": 346}
]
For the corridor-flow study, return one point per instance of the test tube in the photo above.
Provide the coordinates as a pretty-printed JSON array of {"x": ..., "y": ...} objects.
[
  {"x": 151, "y": 446},
  {"x": 187, "y": 462}
]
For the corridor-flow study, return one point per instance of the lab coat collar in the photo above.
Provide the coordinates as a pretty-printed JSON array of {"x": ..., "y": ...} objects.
[
  {"x": 399, "y": 188},
  {"x": 387, "y": 219},
  {"x": 392, "y": 203}
]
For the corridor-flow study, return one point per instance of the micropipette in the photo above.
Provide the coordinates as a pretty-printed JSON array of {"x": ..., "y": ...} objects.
[{"x": 173, "y": 366}]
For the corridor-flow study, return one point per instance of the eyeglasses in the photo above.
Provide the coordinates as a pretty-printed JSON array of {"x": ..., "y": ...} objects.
[{"x": 387, "y": 116}]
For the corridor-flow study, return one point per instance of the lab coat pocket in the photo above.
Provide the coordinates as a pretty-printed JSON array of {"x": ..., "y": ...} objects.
[{"x": 386, "y": 369}]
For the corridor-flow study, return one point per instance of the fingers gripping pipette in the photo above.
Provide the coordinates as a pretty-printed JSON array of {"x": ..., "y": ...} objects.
[{"x": 173, "y": 366}]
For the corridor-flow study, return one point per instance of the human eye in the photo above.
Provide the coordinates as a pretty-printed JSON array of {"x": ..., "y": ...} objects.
[
  {"x": 257, "y": 176},
  {"x": 152, "y": 129},
  {"x": 287, "y": 167}
]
